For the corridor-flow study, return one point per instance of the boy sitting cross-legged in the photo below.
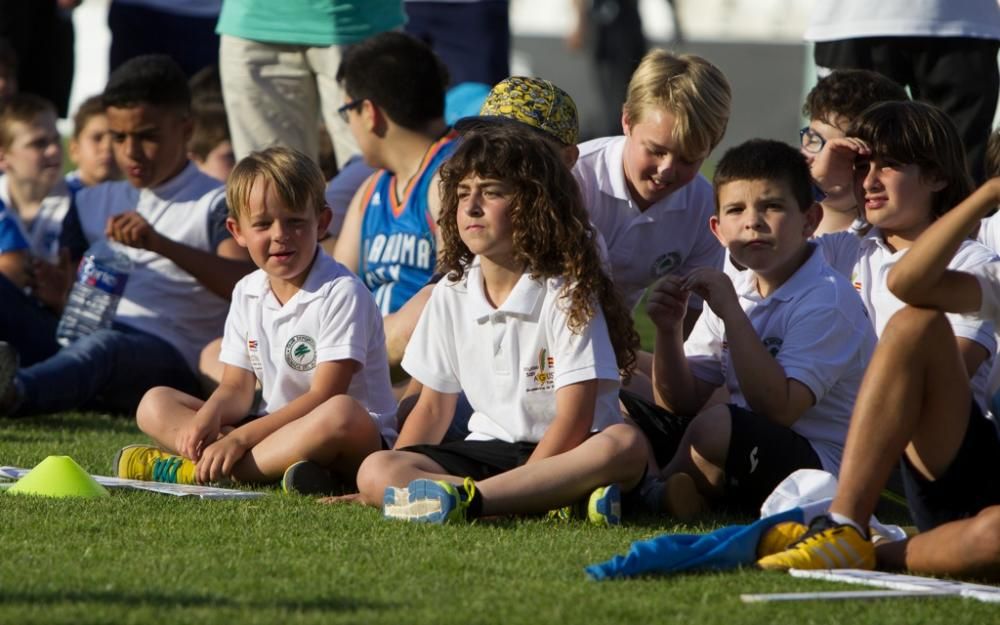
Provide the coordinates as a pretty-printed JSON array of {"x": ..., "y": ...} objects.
[
  {"x": 916, "y": 407},
  {"x": 303, "y": 326},
  {"x": 789, "y": 340}
]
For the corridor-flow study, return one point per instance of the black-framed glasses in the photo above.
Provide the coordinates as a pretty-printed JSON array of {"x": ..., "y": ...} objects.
[
  {"x": 811, "y": 141},
  {"x": 350, "y": 106}
]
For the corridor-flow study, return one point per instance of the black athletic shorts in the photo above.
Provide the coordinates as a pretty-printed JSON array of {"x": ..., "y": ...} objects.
[
  {"x": 969, "y": 484},
  {"x": 761, "y": 455},
  {"x": 476, "y": 459}
]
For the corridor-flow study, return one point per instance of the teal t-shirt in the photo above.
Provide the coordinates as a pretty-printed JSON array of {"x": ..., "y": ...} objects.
[{"x": 309, "y": 22}]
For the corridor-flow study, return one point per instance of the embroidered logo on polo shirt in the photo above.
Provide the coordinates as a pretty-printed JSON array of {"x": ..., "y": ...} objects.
[
  {"x": 252, "y": 351},
  {"x": 541, "y": 374},
  {"x": 773, "y": 345},
  {"x": 300, "y": 352},
  {"x": 665, "y": 263}
]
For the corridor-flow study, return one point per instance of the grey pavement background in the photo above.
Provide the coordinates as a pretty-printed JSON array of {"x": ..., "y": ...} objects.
[{"x": 768, "y": 82}]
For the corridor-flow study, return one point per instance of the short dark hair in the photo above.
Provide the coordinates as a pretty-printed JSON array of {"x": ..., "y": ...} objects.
[
  {"x": 848, "y": 92},
  {"x": 210, "y": 128},
  {"x": 766, "y": 159},
  {"x": 993, "y": 154},
  {"x": 152, "y": 79},
  {"x": 399, "y": 74},
  {"x": 91, "y": 107},
  {"x": 918, "y": 133}
]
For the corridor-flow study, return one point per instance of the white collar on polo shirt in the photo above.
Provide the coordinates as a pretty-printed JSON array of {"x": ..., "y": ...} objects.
[{"x": 525, "y": 297}]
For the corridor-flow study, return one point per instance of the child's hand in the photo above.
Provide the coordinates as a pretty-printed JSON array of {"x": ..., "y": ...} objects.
[
  {"x": 715, "y": 288},
  {"x": 133, "y": 230},
  {"x": 219, "y": 458},
  {"x": 50, "y": 283},
  {"x": 833, "y": 169},
  {"x": 667, "y": 302},
  {"x": 198, "y": 435}
]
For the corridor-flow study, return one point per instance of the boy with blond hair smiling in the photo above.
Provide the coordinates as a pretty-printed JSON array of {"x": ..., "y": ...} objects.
[
  {"x": 304, "y": 327},
  {"x": 642, "y": 189}
]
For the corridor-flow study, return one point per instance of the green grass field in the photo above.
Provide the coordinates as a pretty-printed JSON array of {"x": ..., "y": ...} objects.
[{"x": 145, "y": 558}]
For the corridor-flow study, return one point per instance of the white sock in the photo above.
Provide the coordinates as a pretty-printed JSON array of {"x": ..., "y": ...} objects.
[{"x": 840, "y": 519}]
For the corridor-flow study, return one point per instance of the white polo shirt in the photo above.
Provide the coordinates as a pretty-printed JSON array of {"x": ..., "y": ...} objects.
[
  {"x": 816, "y": 328},
  {"x": 510, "y": 361},
  {"x": 989, "y": 232},
  {"x": 332, "y": 317},
  {"x": 43, "y": 234},
  {"x": 871, "y": 269},
  {"x": 161, "y": 298},
  {"x": 671, "y": 236}
]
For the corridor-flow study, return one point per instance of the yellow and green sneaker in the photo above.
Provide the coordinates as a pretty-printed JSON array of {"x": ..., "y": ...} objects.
[
  {"x": 827, "y": 545},
  {"x": 429, "y": 501},
  {"x": 602, "y": 507},
  {"x": 151, "y": 464}
]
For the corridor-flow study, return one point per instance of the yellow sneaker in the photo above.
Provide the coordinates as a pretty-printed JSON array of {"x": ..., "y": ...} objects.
[
  {"x": 602, "y": 507},
  {"x": 151, "y": 464},
  {"x": 779, "y": 538},
  {"x": 825, "y": 546}
]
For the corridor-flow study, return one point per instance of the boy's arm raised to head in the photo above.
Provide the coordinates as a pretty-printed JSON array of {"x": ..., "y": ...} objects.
[
  {"x": 429, "y": 419},
  {"x": 922, "y": 278},
  {"x": 347, "y": 250},
  {"x": 575, "y": 404},
  {"x": 674, "y": 386}
]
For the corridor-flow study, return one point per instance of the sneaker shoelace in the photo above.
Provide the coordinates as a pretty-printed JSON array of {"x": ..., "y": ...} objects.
[{"x": 165, "y": 469}]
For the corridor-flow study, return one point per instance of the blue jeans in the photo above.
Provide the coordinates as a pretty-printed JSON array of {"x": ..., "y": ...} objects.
[
  {"x": 26, "y": 324},
  {"x": 109, "y": 369}
]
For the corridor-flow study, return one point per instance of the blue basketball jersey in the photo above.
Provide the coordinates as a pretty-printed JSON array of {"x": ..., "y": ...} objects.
[
  {"x": 12, "y": 239},
  {"x": 398, "y": 248}
]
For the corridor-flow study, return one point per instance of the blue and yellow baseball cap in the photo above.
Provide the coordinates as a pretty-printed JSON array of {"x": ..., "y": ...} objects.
[{"x": 532, "y": 101}]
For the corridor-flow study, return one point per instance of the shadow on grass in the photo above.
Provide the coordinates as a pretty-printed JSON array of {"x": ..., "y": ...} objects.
[
  {"x": 133, "y": 599},
  {"x": 72, "y": 421}
]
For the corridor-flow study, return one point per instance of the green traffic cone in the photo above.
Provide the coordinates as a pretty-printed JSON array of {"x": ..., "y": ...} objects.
[{"x": 58, "y": 476}]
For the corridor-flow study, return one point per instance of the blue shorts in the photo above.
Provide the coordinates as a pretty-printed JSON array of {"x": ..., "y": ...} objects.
[{"x": 968, "y": 485}]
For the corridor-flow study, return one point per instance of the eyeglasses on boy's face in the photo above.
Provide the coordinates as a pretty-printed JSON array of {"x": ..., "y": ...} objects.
[
  {"x": 811, "y": 140},
  {"x": 350, "y": 106}
]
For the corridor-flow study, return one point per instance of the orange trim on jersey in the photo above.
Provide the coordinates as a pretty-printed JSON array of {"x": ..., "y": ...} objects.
[{"x": 398, "y": 206}]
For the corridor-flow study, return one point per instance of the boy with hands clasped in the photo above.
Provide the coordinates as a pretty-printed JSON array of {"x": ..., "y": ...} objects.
[
  {"x": 789, "y": 339},
  {"x": 303, "y": 326}
]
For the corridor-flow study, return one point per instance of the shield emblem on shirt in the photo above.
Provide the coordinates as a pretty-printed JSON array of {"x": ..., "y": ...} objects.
[
  {"x": 665, "y": 263},
  {"x": 300, "y": 353}
]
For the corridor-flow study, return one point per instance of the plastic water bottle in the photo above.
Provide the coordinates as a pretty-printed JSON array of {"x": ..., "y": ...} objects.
[{"x": 93, "y": 300}]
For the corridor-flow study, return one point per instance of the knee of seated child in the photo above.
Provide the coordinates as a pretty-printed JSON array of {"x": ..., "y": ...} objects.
[
  {"x": 341, "y": 416},
  {"x": 151, "y": 406},
  {"x": 985, "y": 534},
  {"x": 708, "y": 434},
  {"x": 374, "y": 476}
]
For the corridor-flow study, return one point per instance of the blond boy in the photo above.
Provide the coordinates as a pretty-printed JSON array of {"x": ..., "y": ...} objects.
[
  {"x": 642, "y": 189},
  {"x": 305, "y": 328}
]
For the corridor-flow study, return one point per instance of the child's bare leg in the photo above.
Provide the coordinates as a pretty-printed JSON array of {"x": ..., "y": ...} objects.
[
  {"x": 337, "y": 434},
  {"x": 383, "y": 469},
  {"x": 966, "y": 548},
  {"x": 703, "y": 450},
  {"x": 914, "y": 396},
  {"x": 616, "y": 455},
  {"x": 163, "y": 412}
]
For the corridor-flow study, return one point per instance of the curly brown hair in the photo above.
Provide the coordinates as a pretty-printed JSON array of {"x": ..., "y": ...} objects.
[{"x": 553, "y": 237}]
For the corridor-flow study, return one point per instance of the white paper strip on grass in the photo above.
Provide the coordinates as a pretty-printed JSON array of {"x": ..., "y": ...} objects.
[
  {"x": 178, "y": 490},
  {"x": 842, "y": 595},
  {"x": 896, "y": 581}
]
